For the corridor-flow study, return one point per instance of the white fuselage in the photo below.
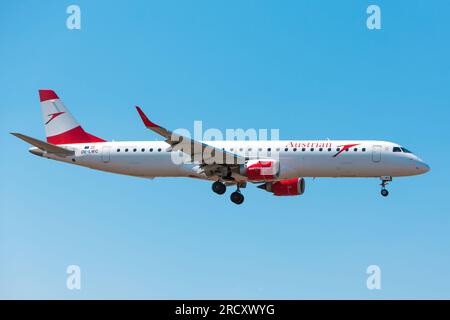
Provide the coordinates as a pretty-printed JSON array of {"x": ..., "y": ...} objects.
[{"x": 299, "y": 158}]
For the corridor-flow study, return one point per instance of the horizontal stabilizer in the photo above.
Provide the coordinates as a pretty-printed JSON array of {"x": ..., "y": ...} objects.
[{"x": 48, "y": 147}]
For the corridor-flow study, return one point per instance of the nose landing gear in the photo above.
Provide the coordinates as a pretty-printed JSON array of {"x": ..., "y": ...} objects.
[{"x": 384, "y": 181}]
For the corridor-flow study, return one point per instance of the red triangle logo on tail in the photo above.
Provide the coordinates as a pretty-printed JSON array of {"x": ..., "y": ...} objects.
[{"x": 53, "y": 116}]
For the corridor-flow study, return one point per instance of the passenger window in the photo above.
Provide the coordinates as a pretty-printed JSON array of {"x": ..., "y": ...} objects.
[
  {"x": 312, "y": 149},
  {"x": 338, "y": 149},
  {"x": 303, "y": 149},
  {"x": 126, "y": 150},
  {"x": 278, "y": 149},
  {"x": 151, "y": 149},
  {"x": 363, "y": 149},
  {"x": 295, "y": 149},
  {"x": 159, "y": 149},
  {"x": 329, "y": 149},
  {"x": 269, "y": 149},
  {"x": 286, "y": 149},
  {"x": 142, "y": 149},
  {"x": 356, "y": 149},
  {"x": 320, "y": 149},
  {"x": 118, "y": 150},
  {"x": 134, "y": 150}
]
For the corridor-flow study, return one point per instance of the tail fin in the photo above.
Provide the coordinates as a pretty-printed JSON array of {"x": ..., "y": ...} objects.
[{"x": 60, "y": 126}]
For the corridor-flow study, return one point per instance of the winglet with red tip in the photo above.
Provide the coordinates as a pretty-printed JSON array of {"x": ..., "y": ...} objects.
[{"x": 145, "y": 119}]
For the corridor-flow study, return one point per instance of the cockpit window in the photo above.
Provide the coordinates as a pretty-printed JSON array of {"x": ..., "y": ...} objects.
[
  {"x": 397, "y": 149},
  {"x": 406, "y": 150}
]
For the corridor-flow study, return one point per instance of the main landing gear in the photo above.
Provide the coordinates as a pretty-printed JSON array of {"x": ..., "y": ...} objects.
[
  {"x": 384, "y": 182},
  {"x": 220, "y": 188},
  {"x": 237, "y": 197}
]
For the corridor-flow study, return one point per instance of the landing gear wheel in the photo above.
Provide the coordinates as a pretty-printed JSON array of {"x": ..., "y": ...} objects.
[
  {"x": 384, "y": 181},
  {"x": 219, "y": 188},
  {"x": 237, "y": 197}
]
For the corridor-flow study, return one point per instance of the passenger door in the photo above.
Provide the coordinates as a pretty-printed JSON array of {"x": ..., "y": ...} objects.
[
  {"x": 376, "y": 153},
  {"x": 106, "y": 154}
]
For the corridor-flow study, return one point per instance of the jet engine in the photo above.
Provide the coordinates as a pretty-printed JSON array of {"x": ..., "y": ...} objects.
[{"x": 289, "y": 187}]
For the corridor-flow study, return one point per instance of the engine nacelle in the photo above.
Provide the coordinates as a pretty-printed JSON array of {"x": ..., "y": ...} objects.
[
  {"x": 261, "y": 170},
  {"x": 289, "y": 187}
]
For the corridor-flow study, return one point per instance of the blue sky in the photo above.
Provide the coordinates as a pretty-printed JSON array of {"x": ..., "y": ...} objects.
[{"x": 310, "y": 68}]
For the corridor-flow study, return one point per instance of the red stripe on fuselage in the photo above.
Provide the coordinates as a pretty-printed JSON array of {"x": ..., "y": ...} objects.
[
  {"x": 346, "y": 147},
  {"x": 75, "y": 135}
]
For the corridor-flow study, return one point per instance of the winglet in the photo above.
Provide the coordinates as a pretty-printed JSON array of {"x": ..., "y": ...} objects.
[{"x": 145, "y": 119}]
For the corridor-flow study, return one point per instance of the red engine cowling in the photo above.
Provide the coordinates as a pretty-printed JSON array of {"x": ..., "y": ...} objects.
[
  {"x": 289, "y": 187},
  {"x": 261, "y": 170}
]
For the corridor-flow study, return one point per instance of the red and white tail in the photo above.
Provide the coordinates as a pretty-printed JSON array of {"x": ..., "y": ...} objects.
[{"x": 60, "y": 126}]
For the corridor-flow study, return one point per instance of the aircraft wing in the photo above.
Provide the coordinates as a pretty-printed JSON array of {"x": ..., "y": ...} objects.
[
  {"x": 197, "y": 150},
  {"x": 48, "y": 147}
]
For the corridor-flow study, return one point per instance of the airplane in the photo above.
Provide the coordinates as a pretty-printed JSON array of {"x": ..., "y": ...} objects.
[{"x": 279, "y": 167}]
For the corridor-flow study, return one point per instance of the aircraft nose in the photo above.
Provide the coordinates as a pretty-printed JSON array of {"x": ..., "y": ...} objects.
[{"x": 422, "y": 167}]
